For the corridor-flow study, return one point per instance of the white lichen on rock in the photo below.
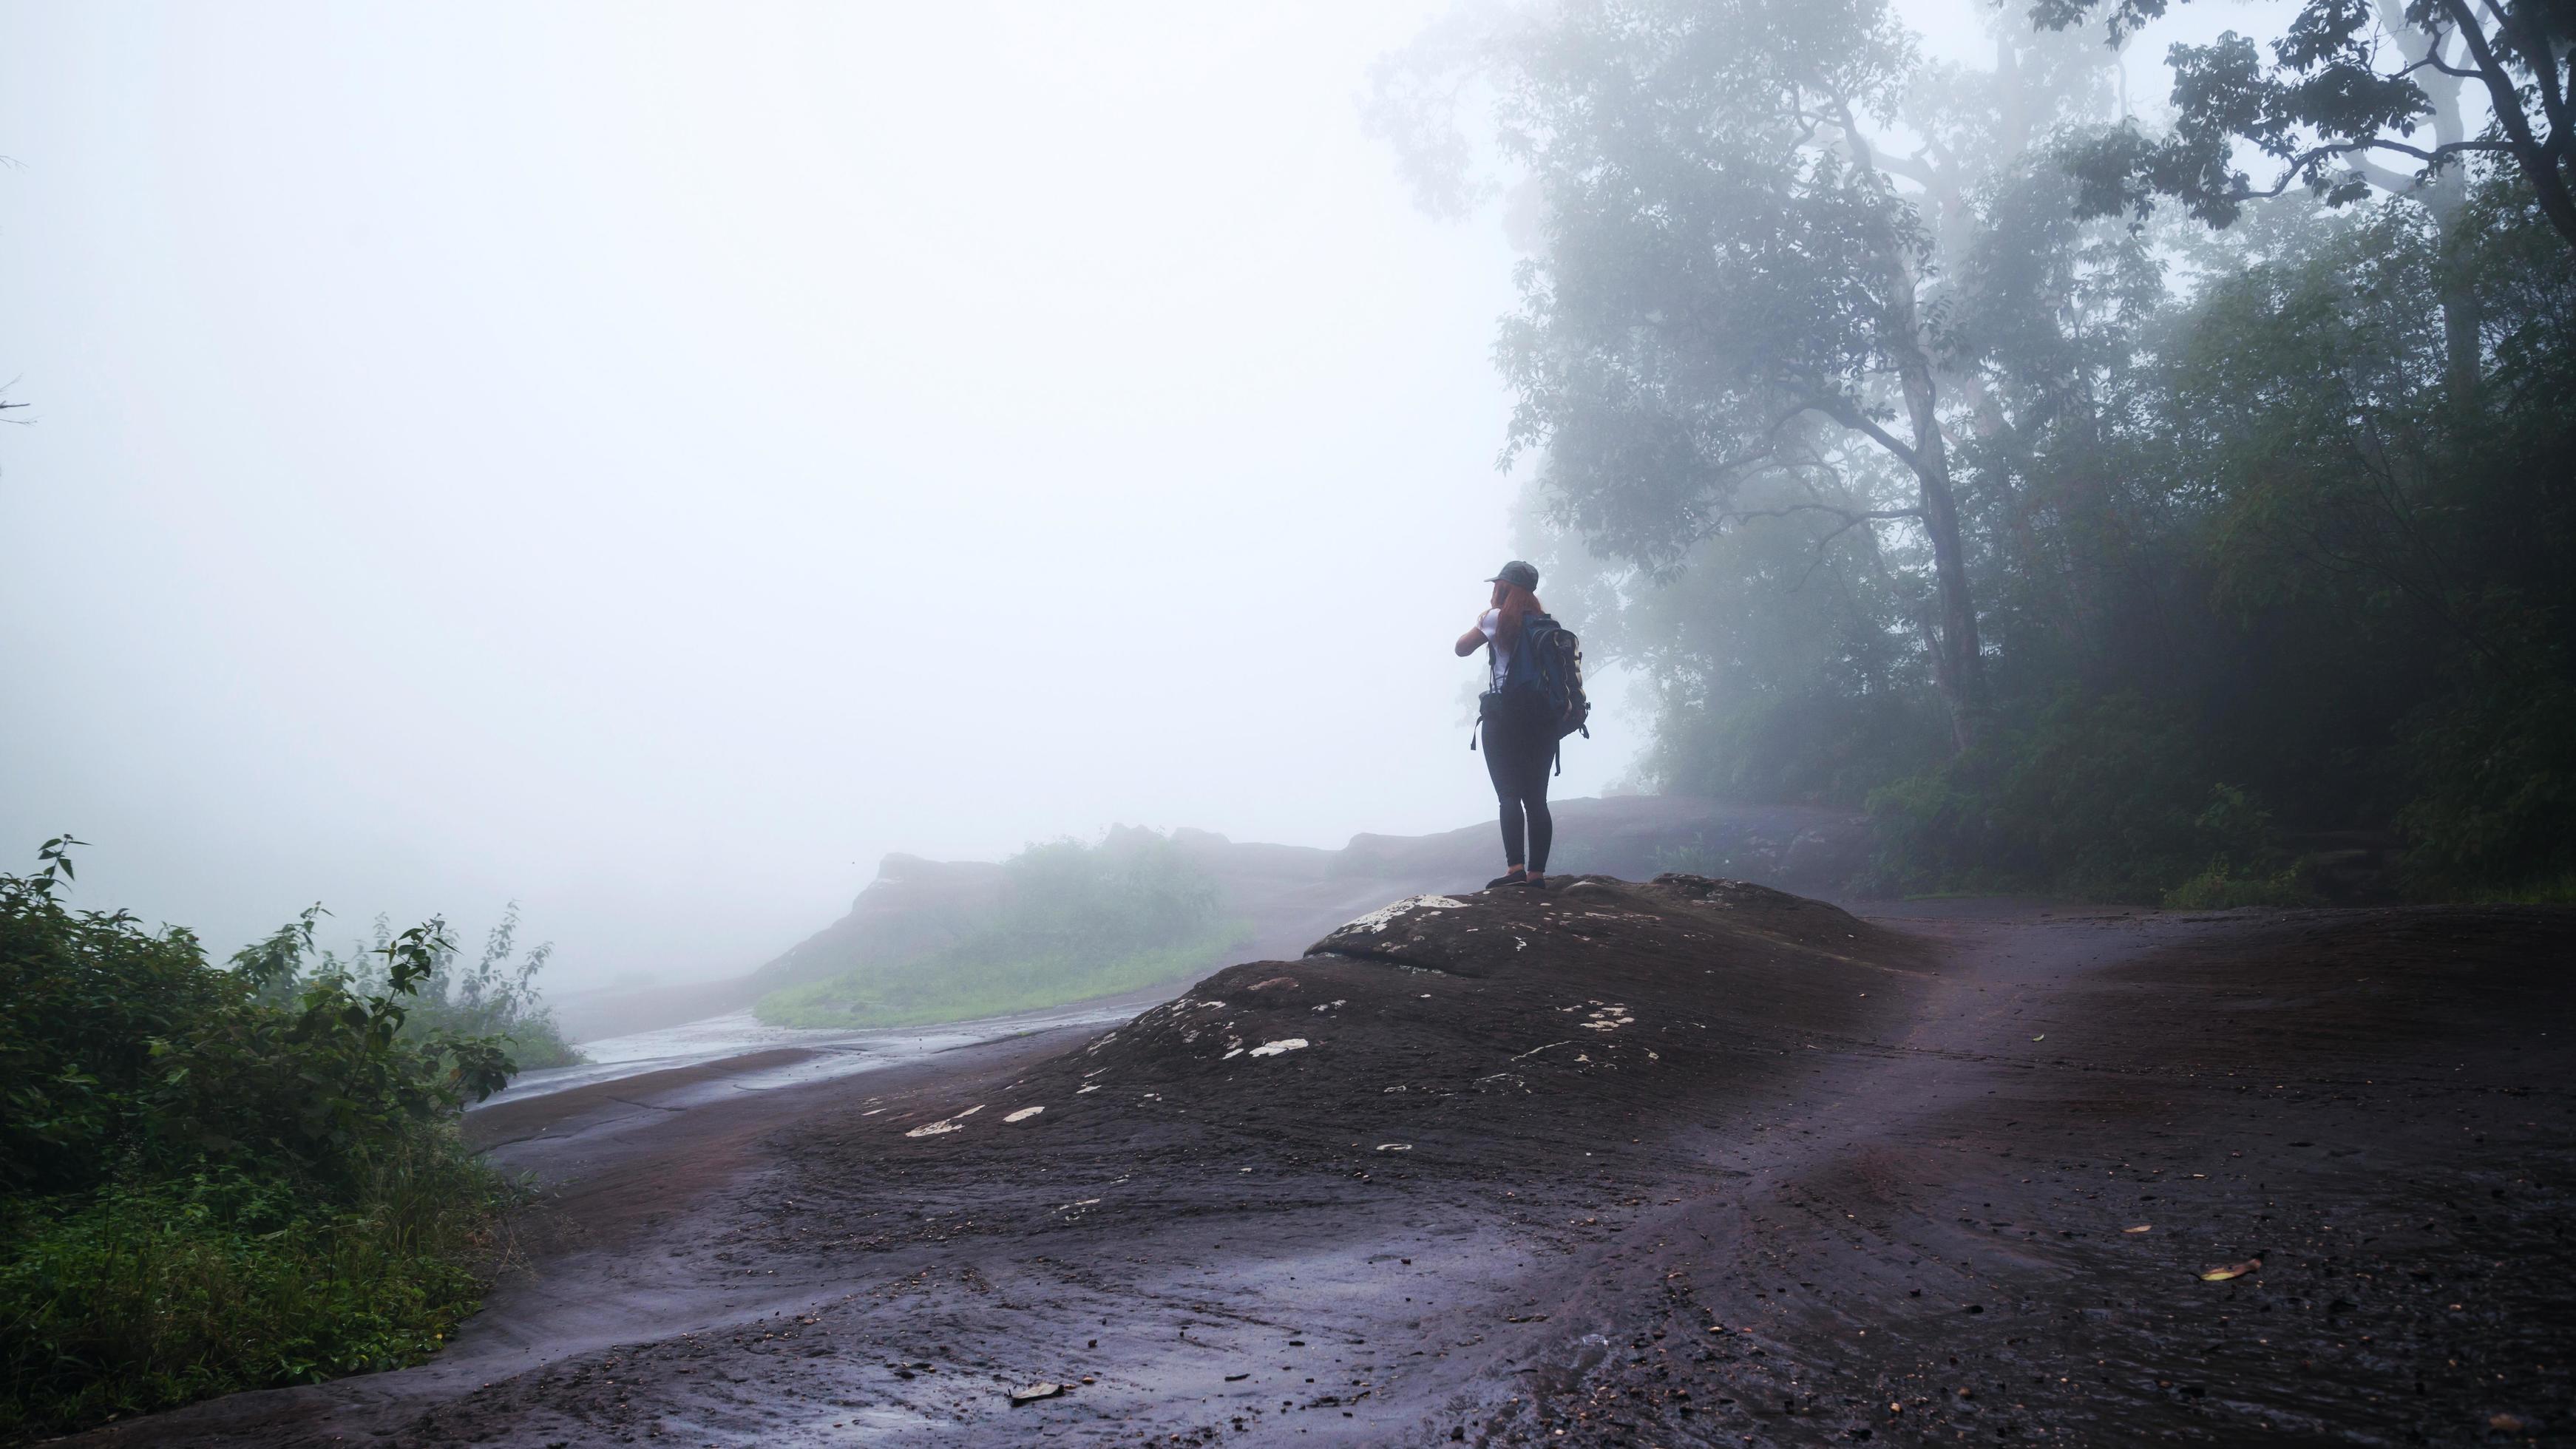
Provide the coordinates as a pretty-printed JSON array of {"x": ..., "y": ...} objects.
[
  {"x": 946, "y": 1124},
  {"x": 1386, "y": 915}
]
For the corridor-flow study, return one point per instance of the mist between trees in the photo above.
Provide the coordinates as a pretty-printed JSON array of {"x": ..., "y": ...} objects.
[{"x": 2105, "y": 519}]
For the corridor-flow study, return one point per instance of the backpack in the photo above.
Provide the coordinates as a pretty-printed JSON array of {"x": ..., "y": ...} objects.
[
  {"x": 1549, "y": 660},
  {"x": 1545, "y": 678}
]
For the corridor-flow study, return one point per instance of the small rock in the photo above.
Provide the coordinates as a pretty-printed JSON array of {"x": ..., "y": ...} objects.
[{"x": 1031, "y": 1393}]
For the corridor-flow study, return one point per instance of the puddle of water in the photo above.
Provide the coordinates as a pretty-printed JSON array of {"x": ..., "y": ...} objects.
[{"x": 837, "y": 1052}]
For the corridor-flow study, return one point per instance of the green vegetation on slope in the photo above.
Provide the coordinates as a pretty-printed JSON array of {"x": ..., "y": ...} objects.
[
  {"x": 1075, "y": 921},
  {"x": 217, "y": 1179}
]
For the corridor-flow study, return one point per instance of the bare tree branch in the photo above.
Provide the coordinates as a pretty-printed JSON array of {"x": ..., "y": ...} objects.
[
  {"x": 1851, "y": 517},
  {"x": 2301, "y": 162},
  {"x": 1841, "y": 411},
  {"x": 2501, "y": 93}
]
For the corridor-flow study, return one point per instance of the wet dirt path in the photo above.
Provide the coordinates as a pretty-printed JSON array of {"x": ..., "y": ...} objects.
[
  {"x": 1793, "y": 1185},
  {"x": 1997, "y": 1233}
]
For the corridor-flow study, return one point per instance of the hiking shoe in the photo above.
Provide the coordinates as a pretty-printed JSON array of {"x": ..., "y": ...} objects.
[
  {"x": 1534, "y": 882},
  {"x": 1500, "y": 881}
]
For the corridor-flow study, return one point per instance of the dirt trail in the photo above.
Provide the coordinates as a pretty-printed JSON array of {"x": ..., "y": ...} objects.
[{"x": 1671, "y": 1164}]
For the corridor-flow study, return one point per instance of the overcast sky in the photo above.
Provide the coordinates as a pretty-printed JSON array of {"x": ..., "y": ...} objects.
[{"x": 653, "y": 461}]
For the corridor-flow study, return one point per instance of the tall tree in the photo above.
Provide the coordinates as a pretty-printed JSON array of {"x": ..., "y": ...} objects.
[{"x": 1728, "y": 261}]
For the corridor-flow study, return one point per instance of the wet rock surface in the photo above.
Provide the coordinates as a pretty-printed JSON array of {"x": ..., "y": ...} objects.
[{"x": 1675, "y": 1163}]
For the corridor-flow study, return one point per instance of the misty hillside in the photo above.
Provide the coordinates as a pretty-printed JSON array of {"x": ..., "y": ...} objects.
[{"x": 1284, "y": 895}]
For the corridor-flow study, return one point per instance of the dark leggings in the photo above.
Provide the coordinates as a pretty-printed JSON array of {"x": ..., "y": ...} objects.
[{"x": 1517, "y": 755}]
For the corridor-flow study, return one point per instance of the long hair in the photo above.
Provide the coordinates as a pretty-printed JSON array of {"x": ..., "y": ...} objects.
[{"x": 1516, "y": 604}]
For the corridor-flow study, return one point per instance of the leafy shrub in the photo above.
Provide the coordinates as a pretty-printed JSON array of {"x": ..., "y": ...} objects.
[
  {"x": 496, "y": 997},
  {"x": 148, "y": 1295},
  {"x": 2497, "y": 801},
  {"x": 83, "y": 996},
  {"x": 2087, "y": 800},
  {"x": 221, "y": 1179}
]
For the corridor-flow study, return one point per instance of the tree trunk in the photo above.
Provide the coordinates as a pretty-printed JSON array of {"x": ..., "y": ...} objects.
[
  {"x": 2443, "y": 195},
  {"x": 1959, "y": 666},
  {"x": 1959, "y": 663},
  {"x": 2461, "y": 316},
  {"x": 1963, "y": 675}
]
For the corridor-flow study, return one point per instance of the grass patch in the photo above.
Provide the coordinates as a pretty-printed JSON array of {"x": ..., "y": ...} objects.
[
  {"x": 2220, "y": 889},
  {"x": 143, "y": 1297},
  {"x": 2559, "y": 890},
  {"x": 1074, "y": 921},
  {"x": 961, "y": 984}
]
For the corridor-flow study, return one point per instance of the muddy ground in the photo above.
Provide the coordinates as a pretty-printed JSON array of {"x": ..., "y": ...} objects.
[{"x": 1680, "y": 1163}]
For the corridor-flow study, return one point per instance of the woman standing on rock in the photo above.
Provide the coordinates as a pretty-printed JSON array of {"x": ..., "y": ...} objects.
[{"x": 1519, "y": 740}]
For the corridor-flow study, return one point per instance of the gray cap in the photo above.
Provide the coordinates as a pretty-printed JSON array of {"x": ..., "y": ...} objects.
[{"x": 1516, "y": 572}]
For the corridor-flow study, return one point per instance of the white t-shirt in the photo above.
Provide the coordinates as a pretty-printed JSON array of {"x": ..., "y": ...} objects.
[{"x": 1501, "y": 653}]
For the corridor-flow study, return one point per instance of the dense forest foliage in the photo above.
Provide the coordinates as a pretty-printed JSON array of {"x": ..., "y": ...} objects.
[
  {"x": 1935, "y": 439},
  {"x": 217, "y": 1177},
  {"x": 1074, "y": 921}
]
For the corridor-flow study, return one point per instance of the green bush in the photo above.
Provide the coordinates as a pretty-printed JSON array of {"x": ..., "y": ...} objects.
[
  {"x": 1076, "y": 921},
  {"x": 2099, "y": 798},
  {"x": 218, "y": 1179},
  {"x": 83, "y": 997},
  {"x": 2497, "y": 801},
  {"x": 149, "y": 1295},
  {"x": 496, "y": 997}
]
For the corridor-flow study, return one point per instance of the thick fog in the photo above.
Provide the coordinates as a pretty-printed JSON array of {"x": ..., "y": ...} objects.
[{"x": 651, "y": 463}]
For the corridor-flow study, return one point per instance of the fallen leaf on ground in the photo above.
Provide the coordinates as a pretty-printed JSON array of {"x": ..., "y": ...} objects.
[
  {"x": 1031, "y": 1393},
  {"x": 2140, "y": 1228},
  {"x": 2232, "y": 1270}
]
